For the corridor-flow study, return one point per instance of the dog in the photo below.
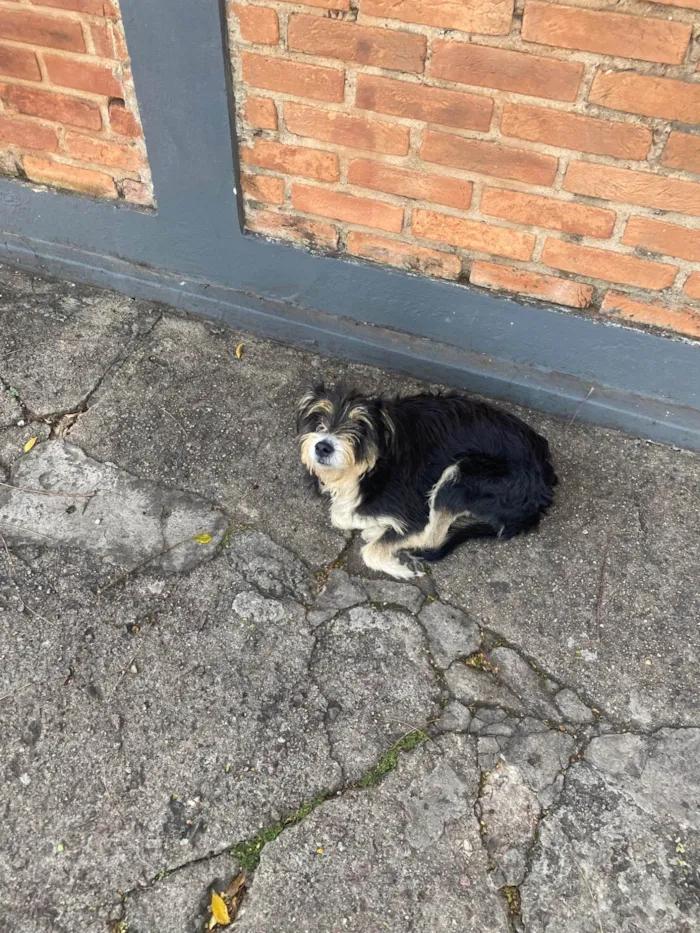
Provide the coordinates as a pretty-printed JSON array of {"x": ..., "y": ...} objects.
[{"x": 419, "y": 475}]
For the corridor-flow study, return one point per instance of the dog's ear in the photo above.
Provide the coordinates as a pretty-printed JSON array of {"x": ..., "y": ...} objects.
[
  {"x": 306, "y": 404},
  {"x": 386, "y": 429}
]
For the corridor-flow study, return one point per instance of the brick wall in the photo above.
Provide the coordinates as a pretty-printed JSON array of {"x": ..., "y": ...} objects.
[
  {"x": 68, "y": 113},
  {"x": 541, "y": 149}
]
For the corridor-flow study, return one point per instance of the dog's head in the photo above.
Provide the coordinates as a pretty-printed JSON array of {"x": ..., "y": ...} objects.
[{"x": 340, "y": 432}]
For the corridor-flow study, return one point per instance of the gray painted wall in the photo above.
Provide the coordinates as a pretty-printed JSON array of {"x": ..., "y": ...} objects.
[{"x": 191, "y": 253}]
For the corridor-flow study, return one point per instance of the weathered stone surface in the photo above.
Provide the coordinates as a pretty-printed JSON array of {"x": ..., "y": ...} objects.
[
  {"x": 128, "y": 521},
  {"x": 180, "y": 901},
  {"x": 471, "y": 686},
  {"x": 618, "y": 853},
  {"x": 404, "y": 856},
  {"x": 572, "y": 708},
  {"x": 455, "y": 718},
  {"x": 524, "y": 682},
  {"x": 68, "y": 340},
  {"x": 393, "y": 593},
  {"x": 219, "y": 426},
  {"x": 339, "y": 592},
  {"x": 274, "y": 570},
  {"x": 10, "y": 412},
  {"x": 145, "y": 727},
  {"x": 451, "y": 634},
  {"x": 527, "y": 777},
  {"x": 396, "y": 693}
]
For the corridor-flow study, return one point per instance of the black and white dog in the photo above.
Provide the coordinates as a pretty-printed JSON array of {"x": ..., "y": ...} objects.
[{"x": 422, "y": 474}]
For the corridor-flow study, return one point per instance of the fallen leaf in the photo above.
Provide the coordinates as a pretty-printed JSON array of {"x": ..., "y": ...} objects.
[
  {"x": 203, "y": 539},
  {"x": 59, "y": 847},
  {"x": 30, "y": 443},
  {"x": 219, "y": 909},
  {"x": 236, "y": 885},
  {"x": 239, "y": 351}
]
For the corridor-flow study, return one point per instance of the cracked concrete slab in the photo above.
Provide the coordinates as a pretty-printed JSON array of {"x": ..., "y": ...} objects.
[
  {"x": 69, "y": 338},
  {"x": 404, "y": 856},
  {"x": 149, "y": 728},
  {"x": 64, "y": 498},
  {"x": 396, "y": 693},
  {"x": 616, "y": 847}
]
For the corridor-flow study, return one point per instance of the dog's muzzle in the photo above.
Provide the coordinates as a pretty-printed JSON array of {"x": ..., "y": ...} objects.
[{"x": 323, "y": 451}]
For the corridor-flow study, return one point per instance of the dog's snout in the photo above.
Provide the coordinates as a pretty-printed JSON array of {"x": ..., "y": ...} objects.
[{"x": 324, "y": 449}]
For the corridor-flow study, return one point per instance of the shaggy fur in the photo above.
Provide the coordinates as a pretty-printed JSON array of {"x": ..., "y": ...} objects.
[{"x": 420, "y": 475}]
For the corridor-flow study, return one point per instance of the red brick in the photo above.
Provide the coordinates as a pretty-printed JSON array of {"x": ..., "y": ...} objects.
[
  {"x": 571, "y": 131},
  {"x": 83, "y": 76},
  {"x": 19, "y": 63},
  {"x": 94, "y": 7},
  {"x": 578, "y": 219},
  {"x": 136, "y": 192},
  {"x": 346, "y": 207},
  {"x": 631, "y": 187},
  {"x": 682, "y": 151},
  {"x": 692, "y": 286},
  {"x": 84, "y": 180},
  {"x": 383, "y": 48},
  {"x": 122, "y": 120},
  {"x": 487, "y": 158},
  {"x": 473, "y": 235},
  {"x": 683, "y": 320},
  {"x": 569, "y": 27},
  {"x": 419, "y": 102},
  {"x": 51, "y": 106},
  {"x": 660, "y": 237},
  {"x": 261, "y": 112},
  {"x": 404, "y": 255},
  {"x": 121, "y": 50},
  {"x": 27, "y": 135},
  {"x": 488, "y": 17},
  {"x": 277, "y": 74},
  {"x": 292, "y": 160},
  {"x": 312, "y": 233},
  {"x": 101, "y": 34},
  {"x": 109, "y": 154},
  {"x": 520, "y": 72},
  {"x": 346, "y": 130},
  {"x": 421, "y": 186},
  {"x": 323, "y": 4},
  {"x": 257, "y": 24},
  {"x": 647, "y": 95},
  {"x": 264, "y": 188},
  {"x": 37, "y": 29},
  {"x": 522, "y": 282},
  {"x": 607, "y": 265}
]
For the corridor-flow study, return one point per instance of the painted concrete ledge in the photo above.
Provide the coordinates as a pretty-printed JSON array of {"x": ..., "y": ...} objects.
[{"x": 672, "y": 420}]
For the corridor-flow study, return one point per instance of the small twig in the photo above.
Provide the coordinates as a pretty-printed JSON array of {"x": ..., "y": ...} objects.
[
  {"x": 47, "y": 492},
  {"x": 580, "y": 405},
  {"x": 180, "y": 426},
  {"x": 30, "y": 531}
]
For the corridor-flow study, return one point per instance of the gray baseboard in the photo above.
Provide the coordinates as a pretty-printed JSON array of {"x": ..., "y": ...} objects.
[{"x": 662, "y": 420}]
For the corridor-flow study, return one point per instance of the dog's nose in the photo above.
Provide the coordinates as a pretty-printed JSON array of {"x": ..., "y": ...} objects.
[{"x": 324, "y": 449}]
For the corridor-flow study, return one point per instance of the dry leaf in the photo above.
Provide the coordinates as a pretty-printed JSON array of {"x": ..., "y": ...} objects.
[
  {"x": 30, "y": 443},
  {"x": 239, "y": 351},
  {"x": 236, "y": 885},
  {"x": 219, "y": 909},
  {"x": 203, "y": 539}
]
